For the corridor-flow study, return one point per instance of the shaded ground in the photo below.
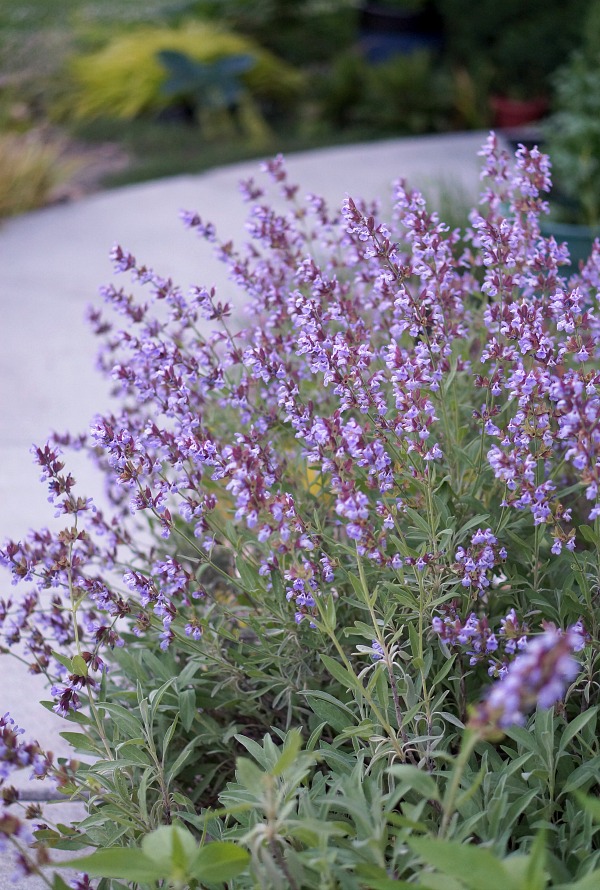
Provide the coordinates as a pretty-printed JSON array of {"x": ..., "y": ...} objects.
[{"x": 91, "y": 166}]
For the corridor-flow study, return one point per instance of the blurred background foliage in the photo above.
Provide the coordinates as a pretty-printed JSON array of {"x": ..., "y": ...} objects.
[{"x": 179, "y": 85}]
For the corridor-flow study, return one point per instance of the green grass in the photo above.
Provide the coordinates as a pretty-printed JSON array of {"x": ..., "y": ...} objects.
[
  {"x": 161, "y": 149},
  {"x": 32, "y": 15}
]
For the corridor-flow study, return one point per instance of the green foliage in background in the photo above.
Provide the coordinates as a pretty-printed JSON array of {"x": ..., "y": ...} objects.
[
  {"x": 513, "y": 46},
  {"x": 88, "y": 64},
  {"x": 572, "y": 132},
  {"x": 406, "y": 94},
  {"x": 573, "y": 138},
  {"x": 301, "y": 31},
  {"x": 125, "y": 78}
]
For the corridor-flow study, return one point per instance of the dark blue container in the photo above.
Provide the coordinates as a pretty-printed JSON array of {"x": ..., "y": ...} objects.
[{"x": 385, "y": 32}]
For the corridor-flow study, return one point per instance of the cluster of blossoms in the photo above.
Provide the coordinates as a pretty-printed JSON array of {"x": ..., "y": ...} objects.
[
  {"x": 16, "y": 754},
  {"x": 474, "y": 563},
  {"x": 543, "y": 341},
  {"x": 357, "y": 332},
  {"x": 479, "y": 641},
  {"x": 168, "y": 583},
  {"x": 537, "y": 676}
]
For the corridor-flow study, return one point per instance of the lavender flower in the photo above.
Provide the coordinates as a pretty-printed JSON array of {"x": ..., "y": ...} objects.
[
  {"x": 477, "y": 638},
  {"x": 537, "y": 677},
  {"x": 16, "y": 754},
  {"x": 359, "y": 335},
  {"x": 377, "y": 651},
  {"x": 474, "y": 563}
]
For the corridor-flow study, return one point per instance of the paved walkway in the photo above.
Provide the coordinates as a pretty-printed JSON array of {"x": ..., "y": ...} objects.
[{"x": 51, "y": 265}]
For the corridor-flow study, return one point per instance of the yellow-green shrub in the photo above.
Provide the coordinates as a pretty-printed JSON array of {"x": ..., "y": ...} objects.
[
  {"x": 124, "y": 78},
  {"x": 30, "y": 168}
]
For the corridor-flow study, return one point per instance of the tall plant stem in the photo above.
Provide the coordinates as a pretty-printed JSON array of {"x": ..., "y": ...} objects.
[
  {"x": 388, "y": 661},
  {"x": 363, "y": 691},
  {"x": 470, "y": 739},
  {"x": 74, "y": 601}
]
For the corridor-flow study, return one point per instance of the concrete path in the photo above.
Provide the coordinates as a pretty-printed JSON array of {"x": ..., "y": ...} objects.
[{"x": 52, "y": 263}]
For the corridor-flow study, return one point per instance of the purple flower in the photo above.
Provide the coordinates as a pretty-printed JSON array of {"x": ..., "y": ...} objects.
[
  {"x": 474, "y": 563},
  {"x": 377, "y": 654},
  {"x": 477, "y": 638},
  {"x": 358, "y": 332},
  {"x": 537, "y": 677}
]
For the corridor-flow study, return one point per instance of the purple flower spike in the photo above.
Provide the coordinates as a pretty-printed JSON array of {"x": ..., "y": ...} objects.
[
  {"x": 538, "y": 677},
  {"x": 473, "y": 563}
]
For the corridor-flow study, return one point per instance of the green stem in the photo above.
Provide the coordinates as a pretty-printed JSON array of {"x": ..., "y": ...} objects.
[
  {"x": 425, "y": 690},
  {"x": 470, "y": 739},
  {"x": 388, "y": 661},
  {"x": 74, "y": 607},
  {"x": 364, "y": 692},
  {"x": 39, "y": 873}
]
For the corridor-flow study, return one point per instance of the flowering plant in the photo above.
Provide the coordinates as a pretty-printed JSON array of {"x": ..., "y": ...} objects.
[{"x": 338, "y": 625}]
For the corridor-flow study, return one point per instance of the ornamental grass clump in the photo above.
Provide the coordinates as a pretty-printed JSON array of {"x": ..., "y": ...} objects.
[
  {"x": 339, "y": 625},
  {"x": 32, "y": 167}
]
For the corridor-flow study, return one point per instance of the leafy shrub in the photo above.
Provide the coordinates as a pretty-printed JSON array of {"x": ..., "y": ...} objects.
[
  {"x": 31, "y": 166},
  {"x": 347, "y": 586},
  {"x": 406, "y": 94},
  {"x": 213, "y": 94},
  {"x": 300, "y": 31},
  {"x": 125, "y": 78},
  {"x": 516, "y": 47},
  {"x": 573, "y": 136}
]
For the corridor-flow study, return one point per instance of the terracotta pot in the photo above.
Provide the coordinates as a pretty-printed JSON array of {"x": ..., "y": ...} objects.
[{"x": 516, "y": 112}]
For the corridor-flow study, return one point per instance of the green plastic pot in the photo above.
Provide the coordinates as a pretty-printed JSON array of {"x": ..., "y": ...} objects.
[{"x": 579, "y": 239}]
